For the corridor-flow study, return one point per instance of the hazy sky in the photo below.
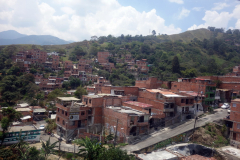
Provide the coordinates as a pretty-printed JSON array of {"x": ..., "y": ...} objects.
[{"x": 80, "y": 19}]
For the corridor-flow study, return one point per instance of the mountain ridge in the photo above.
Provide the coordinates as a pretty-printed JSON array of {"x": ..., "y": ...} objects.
[{"x": 13, "y": 37}]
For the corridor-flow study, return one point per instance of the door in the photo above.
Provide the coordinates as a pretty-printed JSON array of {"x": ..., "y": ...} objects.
[{"x": 234, "y": 136}]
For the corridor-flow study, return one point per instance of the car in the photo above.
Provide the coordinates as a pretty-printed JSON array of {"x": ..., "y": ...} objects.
[
  {"x": 42, "y": 126},
  {"x": 225, "y": 106}
]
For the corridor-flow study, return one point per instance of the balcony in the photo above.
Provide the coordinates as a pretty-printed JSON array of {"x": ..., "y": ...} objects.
[{"x": 168, "y": 110}]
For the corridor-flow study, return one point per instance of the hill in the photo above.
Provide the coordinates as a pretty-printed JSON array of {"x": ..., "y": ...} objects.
[
  {"x": 13, "y": 37},
  {"x": 187, "y": 36},
  {"x": 11, "y": 34},
  {"x": 199, "y": 52}
]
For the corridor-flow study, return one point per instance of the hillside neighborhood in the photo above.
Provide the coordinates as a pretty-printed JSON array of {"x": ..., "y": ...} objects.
[{"x": 130, "y": 113}]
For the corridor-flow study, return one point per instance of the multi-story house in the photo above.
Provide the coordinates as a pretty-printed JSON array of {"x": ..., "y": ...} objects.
[
  {"x": 71, "y": 117},
  {"x": 200, "y": 85},
  {"x": 234, "y": 123},
  {"x": 103, "y": 57}
]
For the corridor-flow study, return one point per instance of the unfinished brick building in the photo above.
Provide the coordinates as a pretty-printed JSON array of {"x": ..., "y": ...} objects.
[
  {"x": 234, "y": 123},
  {"x": 103, "y": 57},
  {"x": 200, "y": 85},
  {"x": 152, "y": 83}
]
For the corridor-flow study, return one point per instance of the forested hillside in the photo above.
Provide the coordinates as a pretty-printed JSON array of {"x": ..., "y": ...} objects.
[{"x": 193, "y": 53}]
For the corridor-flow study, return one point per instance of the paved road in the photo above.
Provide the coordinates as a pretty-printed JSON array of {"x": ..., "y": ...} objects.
[{"x": 173, "y": 131}]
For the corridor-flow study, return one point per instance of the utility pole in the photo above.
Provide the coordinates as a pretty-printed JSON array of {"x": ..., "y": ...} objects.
[{"x": 115, "y": 135}]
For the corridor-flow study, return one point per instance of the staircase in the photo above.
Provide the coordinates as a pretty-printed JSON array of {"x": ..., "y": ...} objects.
[{"x": 72, "y": 135}]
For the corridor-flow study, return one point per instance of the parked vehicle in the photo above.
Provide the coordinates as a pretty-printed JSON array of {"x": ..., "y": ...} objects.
[
  {"x": 225, "y": 106},
  {"x": 69, "y": 141},
  {"x": 42, "y": 127}
]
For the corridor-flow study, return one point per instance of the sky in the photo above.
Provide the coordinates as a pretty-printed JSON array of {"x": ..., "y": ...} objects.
[{"x": 78, "y": 20}]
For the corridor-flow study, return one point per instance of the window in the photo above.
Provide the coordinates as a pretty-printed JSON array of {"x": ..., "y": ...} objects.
[
  {"x": 82, "y": 113},
  {"x": 63, "y": 122},
  {"x": 58, "y": 119},
  {"x": 62, "y": 111},
  {"x": 90, "y": 101},
  {"x": 234, "y": 105},
  {"x": 182, "y": 100},
  {"x": 65, "y": 113},
  {"x": 238, "y": 126}
]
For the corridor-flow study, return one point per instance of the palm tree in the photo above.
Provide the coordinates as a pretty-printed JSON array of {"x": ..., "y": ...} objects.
[
  {"x": 89, "y": 149},
  {"x": 21, "y": 145},
  {"x": 48, "y": 148}
]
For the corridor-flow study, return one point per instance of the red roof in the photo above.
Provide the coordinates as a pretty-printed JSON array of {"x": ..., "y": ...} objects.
[{"x": 139, "y": 104}]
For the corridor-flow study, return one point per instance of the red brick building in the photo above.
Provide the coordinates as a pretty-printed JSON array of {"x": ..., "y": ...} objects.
[
  {"x": 103, "y": 57},
  {"x": 235, "y": 125},
  {"x": 142, "y": 66},
  {"x": 200, "y": 85},
  {"x": 152, "y": 83},
  {"x": 72, "y": 117}
]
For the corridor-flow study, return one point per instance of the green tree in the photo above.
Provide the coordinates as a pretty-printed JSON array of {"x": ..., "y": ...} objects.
[
  {"x": 9, "y": 115},
  {"x": 79, "y": 92},
  {"x": 48, "y": 148},
  {"x": 175, "y": 65},
  {"x": 115, "y": 154},
  {"x": 78, "y": 51},
  {"x": 55, "y": 93},
  {"x": 51, "y": 125},
  {"x": 153, "y": 32},
  {"x": 14, "y": 70},
  {"x": 62, "y": 52},
  {"x": 93, "y": 50},
  {"x": 89, "y": 149},
  {"x": 33, "y": 71}
]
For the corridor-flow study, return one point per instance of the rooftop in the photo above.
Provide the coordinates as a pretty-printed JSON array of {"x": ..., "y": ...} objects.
[
  {"x": 68, "y": 99},
  {"x": 23, "y": 128},
  {"x": 166, "y": 93},
  {"x": 139, "y": 104},
  {"x": 23, "y": 105},
  {"x": 23, "y": 109},
  {"x": 192, "y": 93},
  {"x": 128, "y": 110}
]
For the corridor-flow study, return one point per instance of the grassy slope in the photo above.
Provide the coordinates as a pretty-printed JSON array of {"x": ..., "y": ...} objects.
[{"x": 187, "y": 36}]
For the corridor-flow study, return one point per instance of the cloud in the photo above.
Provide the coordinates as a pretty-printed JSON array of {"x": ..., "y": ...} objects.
[
  {"x": 183, "y": 13},
  {"x": 197, "y": 8},
  {"x": 78, "y": 20},
  {"x": 237, "y": 26},
  {"x": 213, "y": 18},
  {"x": 220, "y": 6},
  {"x": 68, "y": 10},
  {"x": 177, "y": 1}
]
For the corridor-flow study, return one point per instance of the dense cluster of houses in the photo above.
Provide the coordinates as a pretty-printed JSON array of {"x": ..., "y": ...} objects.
[{"x": 132, "y": 111}]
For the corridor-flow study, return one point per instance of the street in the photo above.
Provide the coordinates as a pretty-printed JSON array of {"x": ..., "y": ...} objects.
[{"x": 173, "y": 131}]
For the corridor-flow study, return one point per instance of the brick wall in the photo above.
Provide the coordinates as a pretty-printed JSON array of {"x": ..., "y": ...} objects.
[{"x": 110, "y": 120}]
